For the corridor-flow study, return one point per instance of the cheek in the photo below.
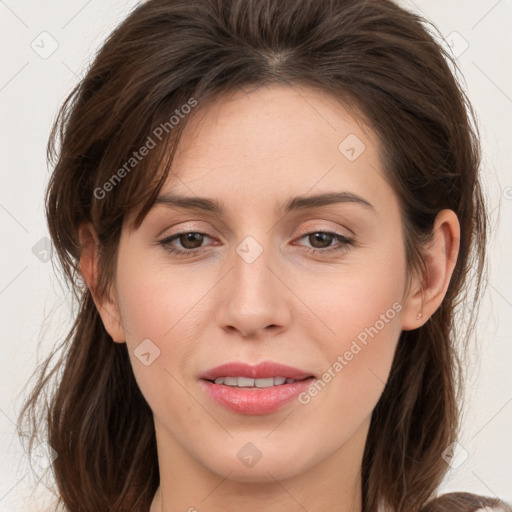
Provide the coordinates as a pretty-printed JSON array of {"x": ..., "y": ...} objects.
[
  {"x": 155, "y": 308},
  {"x": 156, "y": 300},
  {"x": 161, "y": 304},
  {"x": 362, "y": 309},
  {"x": 357, "y": 297}
]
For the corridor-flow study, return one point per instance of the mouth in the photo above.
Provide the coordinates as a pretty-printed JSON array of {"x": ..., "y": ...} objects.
[
  {"x": 250, "y": 383},
  {"x": 264, "y": 374},
  {"x": 255, "y": 389},
  {"x": 249, "y": 396}
]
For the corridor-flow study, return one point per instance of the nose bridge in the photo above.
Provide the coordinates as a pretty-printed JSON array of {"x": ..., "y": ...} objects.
[
  {"x": 251, "y": 280},
  {"x": 253, "y": 296}
]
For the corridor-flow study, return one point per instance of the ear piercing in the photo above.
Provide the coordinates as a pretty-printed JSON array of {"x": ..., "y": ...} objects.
[{"x": 419, "y": 316}]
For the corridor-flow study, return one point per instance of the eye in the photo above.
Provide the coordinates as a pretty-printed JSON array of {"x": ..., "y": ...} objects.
[
  {"x": 191, "y": 242},
  {"x": 325, "y": 238}
]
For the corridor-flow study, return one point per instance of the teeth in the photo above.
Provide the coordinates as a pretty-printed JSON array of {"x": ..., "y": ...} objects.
[{"x": 245, "y": 382}]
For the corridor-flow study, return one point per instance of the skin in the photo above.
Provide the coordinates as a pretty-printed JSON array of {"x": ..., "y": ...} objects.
[{"x": 253, "y": 151}]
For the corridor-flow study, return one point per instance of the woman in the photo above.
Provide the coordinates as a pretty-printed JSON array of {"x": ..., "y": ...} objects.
[{"x": 216, "y": 362}]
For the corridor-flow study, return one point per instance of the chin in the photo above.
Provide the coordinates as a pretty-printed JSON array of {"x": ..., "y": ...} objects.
[{"x": 245, "y": 462}]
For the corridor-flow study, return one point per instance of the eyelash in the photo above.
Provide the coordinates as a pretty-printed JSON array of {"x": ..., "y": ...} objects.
[{"x": 345, "y": 243}]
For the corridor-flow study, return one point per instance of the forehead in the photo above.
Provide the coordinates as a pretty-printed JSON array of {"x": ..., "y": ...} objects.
[
  {"x": 269, "y": 123},
  {"x": 275, "y": 141}
]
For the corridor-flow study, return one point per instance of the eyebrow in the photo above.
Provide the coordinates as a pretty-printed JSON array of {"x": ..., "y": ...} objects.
[{"x": 293, "y": 204}]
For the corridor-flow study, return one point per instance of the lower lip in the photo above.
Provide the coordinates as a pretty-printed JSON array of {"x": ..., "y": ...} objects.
[{"x": 256, "y": 400}]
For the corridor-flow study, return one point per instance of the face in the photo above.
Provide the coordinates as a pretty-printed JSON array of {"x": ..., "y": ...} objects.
[{"x": 318, "y": 287}]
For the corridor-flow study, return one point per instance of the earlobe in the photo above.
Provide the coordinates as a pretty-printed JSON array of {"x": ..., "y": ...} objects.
[
  {"x": 440, "y": 256},
  {"x": 107, "y": 307}
]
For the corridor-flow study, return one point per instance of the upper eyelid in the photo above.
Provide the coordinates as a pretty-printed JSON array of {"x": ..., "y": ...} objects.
[
  {"x": 313, "y": 228},
  {"x": 299, "y": 218},
  {"x": 326, "y": 229}
]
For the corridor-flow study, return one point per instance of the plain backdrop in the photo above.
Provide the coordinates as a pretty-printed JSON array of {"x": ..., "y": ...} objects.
[{"x": 45, "y": 48}]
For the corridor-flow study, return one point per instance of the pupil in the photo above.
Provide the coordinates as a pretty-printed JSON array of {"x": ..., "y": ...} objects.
[
  {"x": 189, "y": 238},
  {"x": 321, "y": 237}
]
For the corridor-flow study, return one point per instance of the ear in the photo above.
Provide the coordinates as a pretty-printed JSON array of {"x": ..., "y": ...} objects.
[
  {"x": 107, "y": 307},
  {"x": 427, "y": 292}
]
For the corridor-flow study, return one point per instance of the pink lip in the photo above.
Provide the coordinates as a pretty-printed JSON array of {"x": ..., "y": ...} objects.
[
  {"x": 260, "y": 371},
  {"x": 255, "y": 401}
]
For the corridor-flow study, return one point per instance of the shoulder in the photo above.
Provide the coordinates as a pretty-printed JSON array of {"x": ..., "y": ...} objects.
[{"x": 466, "y": 502}]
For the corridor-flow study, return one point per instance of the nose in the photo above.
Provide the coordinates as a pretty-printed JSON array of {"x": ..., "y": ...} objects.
[{"x": 254, "y": 299}]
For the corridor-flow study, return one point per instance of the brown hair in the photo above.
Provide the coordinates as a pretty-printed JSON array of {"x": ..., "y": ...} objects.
[
  {"x": 466, "y": 502},
  {"x": 372, "y": 56}
]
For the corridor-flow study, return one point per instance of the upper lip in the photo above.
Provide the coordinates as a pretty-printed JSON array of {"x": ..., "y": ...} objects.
[{"x": 260, "y": 371}]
